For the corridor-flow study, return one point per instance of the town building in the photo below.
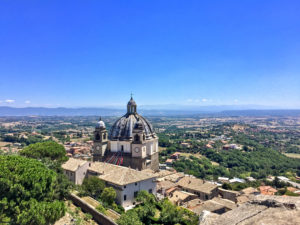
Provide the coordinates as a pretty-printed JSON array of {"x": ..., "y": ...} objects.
[
  {"x": 127, "y": 182},
  {"x": 181, "y": 197},
  {"x": 229, "y": 194},
  {"x": 75, "y": 170},
  {"x": 131, "y": 142},
  {"x": 267, "y": 190},
  {"x": 203, "y": 189}
]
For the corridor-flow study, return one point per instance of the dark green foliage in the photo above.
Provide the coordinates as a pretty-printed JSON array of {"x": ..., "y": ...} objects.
[
  {"x": 93, "y": 186},
  {"x": 28, "y": 190},
  {"x": 49, "y": 149},
  {"x": 172, "y": 214},
  {"x": 260, "y": 163},
  {"x": 147, "y": 207},
  {"x": 146, "y": 212},
  {"x": 24, "y": 141},
  {"x": 284, "y": 191},
  {"x": 101, "y": 209},
  {"x": 129, "y": 218},
  {"x": 227, "y": 186},
  {"x": 201, "y": 168},
  {"x": 108, "y": 195},
  {"x": 240, "y": 186}
]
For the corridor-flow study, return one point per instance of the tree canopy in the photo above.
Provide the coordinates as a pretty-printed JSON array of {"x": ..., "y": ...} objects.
[
  {"x": 108, "y": 195},
  {"x": 93, "y": 186},
  {"x": 151, "y": 211},
  {"x": 28, "y": 192},
  {"x": 48, "y": 149}
]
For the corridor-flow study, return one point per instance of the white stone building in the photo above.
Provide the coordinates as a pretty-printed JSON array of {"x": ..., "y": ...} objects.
[
  {"x": 127, "y": 182},
  {"x": 76, "y": 169}
]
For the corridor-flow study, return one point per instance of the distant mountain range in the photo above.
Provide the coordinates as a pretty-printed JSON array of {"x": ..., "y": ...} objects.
[{"x": 177, "y": 110}]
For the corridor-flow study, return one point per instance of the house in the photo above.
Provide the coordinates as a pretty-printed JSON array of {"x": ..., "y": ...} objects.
[
  {"x": 251, "y": 179},
  {"x": 292, "y": 189},
  {"x": 180, "y": 197},
  {"x": 223, "y": 179},
  {"x": 169, "y": 162},
  {"x": 75, "y": 170},
  {"x": 283, "y": 179},
  {"x": 236, "y": 180},
  {"x": 174, "y": 177},
  {"x": 204, "y": 190},
  {"x": 175, "y": 155},
  {"x": 249, "y": 191},
  {"x": 193, "y": 203},
  {"x": 229, "y": 194},
  {"x": 163, "y": 186},
  {"x": 185, "y": 145},
  {"x": 210, "y": 206},
  {"x": 170, "y": 191},
  {"x": 267, "y": 190},
  {"x": 127, "y": 182},
  {"x": 162, "y": 166},
  {"x": 209, "y": 146},
  {"x": 229, "y": 205}
]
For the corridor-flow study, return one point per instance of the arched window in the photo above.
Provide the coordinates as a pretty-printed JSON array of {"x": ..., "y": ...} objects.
[
  {"x": 104, "y": 136},
  {"x": 144, "y": 137},
  {"x": 137, "y": 137},
  {"x": 97, "y": 137}
]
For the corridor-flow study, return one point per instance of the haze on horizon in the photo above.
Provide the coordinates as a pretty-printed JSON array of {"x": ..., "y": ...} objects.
[{"x": 94, "y": 54}]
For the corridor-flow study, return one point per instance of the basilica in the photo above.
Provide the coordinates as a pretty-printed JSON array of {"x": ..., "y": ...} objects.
[{"x": 131, "y": 141}]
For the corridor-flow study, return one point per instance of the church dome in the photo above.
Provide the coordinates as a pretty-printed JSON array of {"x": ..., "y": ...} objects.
[{"x": 123, "y": 127}]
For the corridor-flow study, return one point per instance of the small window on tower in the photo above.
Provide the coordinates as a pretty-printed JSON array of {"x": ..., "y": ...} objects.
[{"x": 137, "y": 137}]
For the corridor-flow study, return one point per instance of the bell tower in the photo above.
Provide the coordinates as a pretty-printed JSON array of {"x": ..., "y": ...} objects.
[
  {"x": 138, "y": 145},
  {"x": 100, "y": 141}
]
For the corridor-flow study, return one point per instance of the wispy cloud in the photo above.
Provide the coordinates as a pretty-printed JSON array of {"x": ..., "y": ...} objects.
[
  {"x": 236, "y": 100},
  {"x": 27, "y": 102},
  {"x": 196, "y": 100},
  {"x": 9, "y": 101}
]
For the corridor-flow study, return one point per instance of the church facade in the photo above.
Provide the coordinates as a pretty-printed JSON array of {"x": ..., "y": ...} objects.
[{"x": 131, "y": 141}]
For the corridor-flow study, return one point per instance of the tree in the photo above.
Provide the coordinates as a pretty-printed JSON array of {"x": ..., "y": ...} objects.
[
  {"x": 93, "y": 186},
  {"x": 145, "y": 197},
  {"x": 108, "y": 195},
  {"x": 48, "y": 149},
  {"x": 28, "y": 190},
  {"x": 129, "y": 218},
  {"x": 172, "y": 214}
]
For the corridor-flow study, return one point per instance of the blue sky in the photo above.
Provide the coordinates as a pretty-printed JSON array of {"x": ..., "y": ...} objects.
[{"x": 95, "y": 53}]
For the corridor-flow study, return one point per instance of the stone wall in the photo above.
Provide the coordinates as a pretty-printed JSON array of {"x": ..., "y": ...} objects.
[{"x": 97, "y": 216}]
